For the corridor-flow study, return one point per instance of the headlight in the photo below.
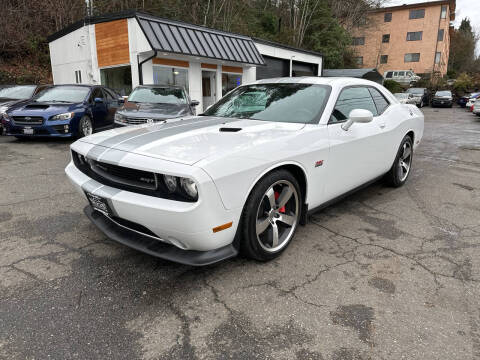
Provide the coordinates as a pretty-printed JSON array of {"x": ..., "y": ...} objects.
[
  {"x": 64, "y": 116},
  {"x": 3, "y": 110},
  {"x": 119, "y": 117},
  {"x": 187, "y": 188}
]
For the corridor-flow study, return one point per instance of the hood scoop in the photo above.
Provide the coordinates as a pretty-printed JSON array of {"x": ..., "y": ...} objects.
[
  {"x": 34, "y": 106},
  {"x": 229, "y": 129}
]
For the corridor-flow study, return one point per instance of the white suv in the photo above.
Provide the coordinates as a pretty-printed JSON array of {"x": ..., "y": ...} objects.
[{"x": 404, "y": 77}]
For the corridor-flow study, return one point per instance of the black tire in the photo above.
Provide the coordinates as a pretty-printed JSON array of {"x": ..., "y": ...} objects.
[
  {"x": 82, "y": 132},
  {"x": 252, "y": 245},
  {"x": 395, "y": 177}
]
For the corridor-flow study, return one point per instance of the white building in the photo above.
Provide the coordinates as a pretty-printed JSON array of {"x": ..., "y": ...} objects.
[{"x": 124, "y": 50}]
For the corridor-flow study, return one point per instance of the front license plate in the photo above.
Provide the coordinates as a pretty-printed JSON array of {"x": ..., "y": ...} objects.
[
  {"x": 27, "y": 131},
  {"x": 98, "y": 203}
]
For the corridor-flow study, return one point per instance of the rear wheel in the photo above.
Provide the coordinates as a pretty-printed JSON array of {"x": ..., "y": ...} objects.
[
  {"x": 271, "y": 216},
  {"x": 85, "y": 126},
  {"x": 398, "y": 174}
]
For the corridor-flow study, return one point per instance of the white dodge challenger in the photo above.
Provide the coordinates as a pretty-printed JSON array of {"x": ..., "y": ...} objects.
[{"x": 242, "y": 176}]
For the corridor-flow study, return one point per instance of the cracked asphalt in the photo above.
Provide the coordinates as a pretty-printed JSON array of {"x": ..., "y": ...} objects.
[{"x": 384, "y": 274}]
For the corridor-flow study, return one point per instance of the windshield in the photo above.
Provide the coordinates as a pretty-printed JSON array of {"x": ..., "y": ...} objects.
[
  {"x": 443, "y": 93},
  {"x": 160, "y": 95},
  {"x": 419, "y": 91},
  {"x": 401, "y": 96},
  {"x": 17, "y": 92},
  {"x": 297, "y": 103},
  {"x": 70, "y": 94}
]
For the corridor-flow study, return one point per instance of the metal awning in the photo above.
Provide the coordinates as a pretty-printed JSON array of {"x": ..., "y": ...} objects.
[{"x": 182, "y": 38}]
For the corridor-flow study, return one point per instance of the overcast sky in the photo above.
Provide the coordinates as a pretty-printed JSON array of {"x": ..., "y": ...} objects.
[{"x": 465, "y": 8}]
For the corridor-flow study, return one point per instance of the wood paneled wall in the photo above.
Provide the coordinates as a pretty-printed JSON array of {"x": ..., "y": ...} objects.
[{"x": 112, "y": 43}]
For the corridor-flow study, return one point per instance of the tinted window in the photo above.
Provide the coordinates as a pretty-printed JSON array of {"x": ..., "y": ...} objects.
[
  {"x": 158, "y": 95},
  {"x": 443, "y": 93},
  {"x": 413, "y": 57},
  {"x": 17, "y": 92},
  {"x": 97, "y": 93},
  {"x": 387, "y": 17},
  {"x": 417, "y": 14},
  {"x": 109, "y": 94},
  {"x": 298, "y": 103},
  {"x": 351, "y": 99},
  {"x": 380, "y": 102},
  {"x": 441, "y": 32},
  {"x": 389, "y": 75},
  {"x": 414, "y": 36},
  {"x": 71, "y": 94}
]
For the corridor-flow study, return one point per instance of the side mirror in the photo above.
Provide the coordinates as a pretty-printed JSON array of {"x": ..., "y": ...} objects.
[
  {"x": 194, "y": 103},
  {"x": 98, "y": 100},
  {"x": 121, "y": 100},
  {"x": 357, "y": 116}
]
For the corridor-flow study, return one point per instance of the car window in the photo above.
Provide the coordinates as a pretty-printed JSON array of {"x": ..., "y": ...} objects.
[
  {"x": 350, "y": 99},
  {"x": 96, "y": 93},
  {"x": 63, "y": 93},
  {"x": 389, "y": 75},
  {"x": 395, "y": 73},
  {"x": 109, "y": 95},
  {"x": 17, "y": 92},
  {"x": 401, "y": 73},
  {"x": 380, "y": 102}
]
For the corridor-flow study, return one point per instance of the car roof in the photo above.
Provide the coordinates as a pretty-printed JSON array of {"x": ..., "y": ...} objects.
[
  {"x": 160, "y": 85},
  {"x": 338, "y": 81}
]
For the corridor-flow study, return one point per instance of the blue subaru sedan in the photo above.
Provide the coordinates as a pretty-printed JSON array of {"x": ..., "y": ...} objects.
[{"x": 63, "y": 111}]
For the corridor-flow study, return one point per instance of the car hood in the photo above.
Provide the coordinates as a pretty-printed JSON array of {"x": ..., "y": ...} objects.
[
  {"x": 32, "y": 108},
  {"x": 154, "y": 111},
  {"x": 192, "y": 139}
]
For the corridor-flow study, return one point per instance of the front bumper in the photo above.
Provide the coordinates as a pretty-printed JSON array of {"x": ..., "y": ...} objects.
[
  {"x": 442, "y": 103},
  {"x": 156, "y": 248},
  {"x": 58, "y": 129},
  {"x": 187, "y": 226}
]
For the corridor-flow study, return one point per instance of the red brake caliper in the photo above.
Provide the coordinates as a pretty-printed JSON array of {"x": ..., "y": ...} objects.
[{"x": 282, "y": 210}]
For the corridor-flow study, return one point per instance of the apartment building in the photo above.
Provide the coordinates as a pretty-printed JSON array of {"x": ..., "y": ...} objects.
[{"x": 406, "y": 37}]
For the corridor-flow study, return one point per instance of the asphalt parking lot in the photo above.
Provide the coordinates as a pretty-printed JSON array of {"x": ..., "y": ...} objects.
[{"x": 384, "y": 274}]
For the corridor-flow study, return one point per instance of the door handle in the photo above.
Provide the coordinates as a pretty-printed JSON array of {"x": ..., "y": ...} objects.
[{"x": 382, "y": 125}]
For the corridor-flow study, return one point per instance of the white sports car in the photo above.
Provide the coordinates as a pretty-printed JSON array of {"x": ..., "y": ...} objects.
[{"x": 242, "y": 176}]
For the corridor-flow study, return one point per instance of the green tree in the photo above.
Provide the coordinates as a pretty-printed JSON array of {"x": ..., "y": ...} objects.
[{"x": 462, "y": 48}]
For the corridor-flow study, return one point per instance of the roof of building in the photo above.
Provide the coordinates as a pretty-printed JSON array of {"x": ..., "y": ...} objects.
[
  {"x": 451, "y": 3},
  {"x": 356, "y": 73},
  {"x": 288, "y": 47}
]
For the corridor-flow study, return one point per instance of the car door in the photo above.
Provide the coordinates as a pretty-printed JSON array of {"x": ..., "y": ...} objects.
[
  {"x": 111, "y": 101},
  {"x": 357, "y": 155},
  {"x": 99, "y": 109}
]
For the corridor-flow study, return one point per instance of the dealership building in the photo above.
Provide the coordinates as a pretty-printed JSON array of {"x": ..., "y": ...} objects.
[{"x": 124, "y": 50}]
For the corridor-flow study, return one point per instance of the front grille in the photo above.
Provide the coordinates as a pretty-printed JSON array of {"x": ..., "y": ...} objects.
[
  {"x": 138, "y": 181},
  {"x": 137, "y": 121},
  {"x": 28, "y": 120}
]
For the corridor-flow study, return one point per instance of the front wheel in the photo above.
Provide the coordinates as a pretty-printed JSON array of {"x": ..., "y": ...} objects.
[
  {"x": 398, "y": 174},
  {"x": 85, "y": 126},
  {"x": 271, "y": 216}
]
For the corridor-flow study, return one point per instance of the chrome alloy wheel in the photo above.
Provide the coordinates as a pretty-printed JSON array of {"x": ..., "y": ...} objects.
[
  {"x": 405, "y": 161},
  {"x": 86, "y": 127},
  {"x": 277, "y": 216}
]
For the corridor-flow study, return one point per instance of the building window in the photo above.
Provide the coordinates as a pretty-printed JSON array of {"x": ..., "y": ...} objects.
[
  {"x": 164, "y": 75},
  {"x": 383, "y": 59},
  {"x": 78, "y": 76},
  {"x": 440, "y": 35},
  {"x": 387, "y": 17},
  {"x": 118, "y": 78},
  {"x": 443, "y": 14},
  {"x": 358, "y": 41},
  {"x": 414, "y": 36},
  {"x": 359, "y": 60},
  {"x": 385, "y": 38},
  {"x": 412, "y": 57},
  {"x": 230, "y": 82},
  {"x": 417, "y": 14},
  {"x": 438, "y": 56}
]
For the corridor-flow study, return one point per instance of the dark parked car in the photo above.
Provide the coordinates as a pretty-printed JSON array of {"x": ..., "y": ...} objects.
[
  {"x": 63, "y": 111},
  {"x": 463, "y": 100},
  {"x": 421, "y": 96},
  {"x": 443, "y": 98},
  {"x": 12, "y": 94},
  {"x": 152, "y": 103}
]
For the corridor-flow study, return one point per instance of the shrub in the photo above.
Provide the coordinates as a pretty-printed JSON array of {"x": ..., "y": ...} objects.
[
  {"x": 393, "y": 86},
  {"x": 463, "y": 84}
]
